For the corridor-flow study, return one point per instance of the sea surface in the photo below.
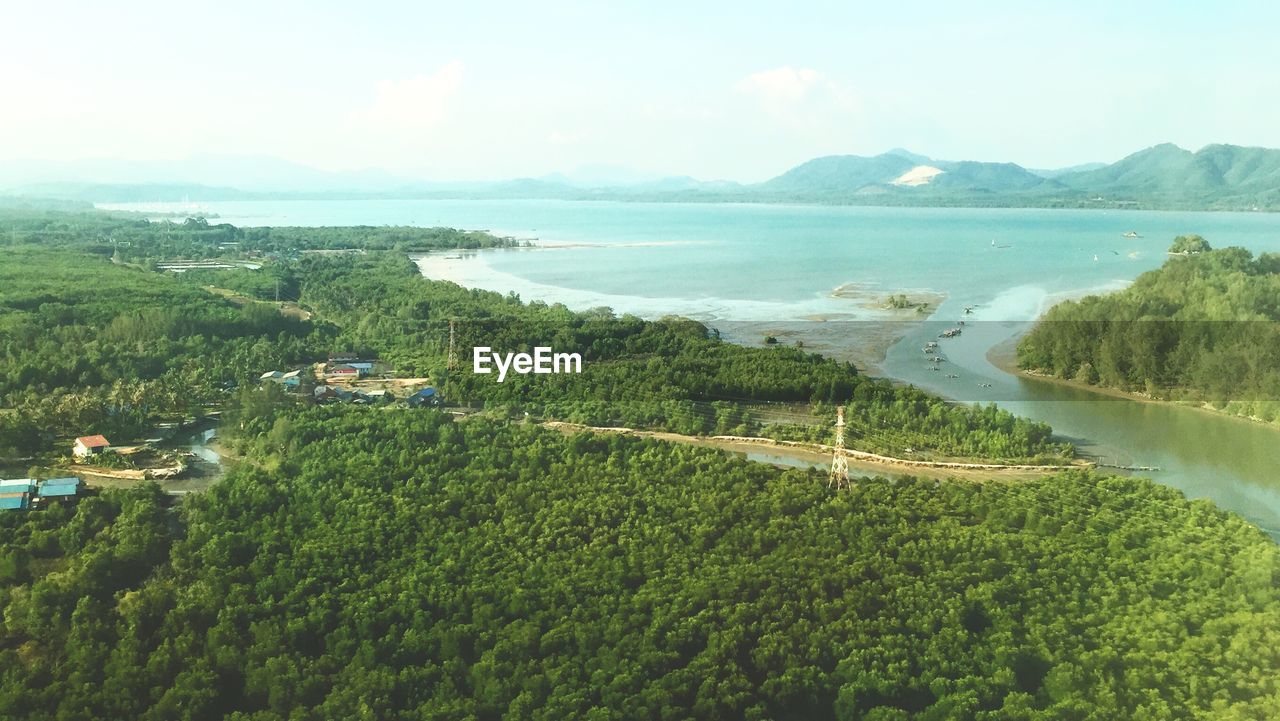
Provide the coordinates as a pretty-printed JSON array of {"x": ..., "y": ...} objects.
[{"x": 998, "y": 269}]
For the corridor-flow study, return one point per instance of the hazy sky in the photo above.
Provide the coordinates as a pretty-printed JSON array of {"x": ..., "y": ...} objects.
[{"x": 735, "y": 90}]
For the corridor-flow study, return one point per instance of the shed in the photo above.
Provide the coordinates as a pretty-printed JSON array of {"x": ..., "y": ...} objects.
[
  {"x": 345, "y": 370},
  {"x": 60, "y": 487},
  {"x": 17, "y": 486},
  {"x": 15, "y": 502},
  {"x": 90, "y": 445},
  {"x": 427, "y": 396}
]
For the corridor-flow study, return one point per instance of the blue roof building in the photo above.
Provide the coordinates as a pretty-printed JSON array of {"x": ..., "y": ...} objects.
[
  {"x": 17, "y": 485},
  {"x": 15, "y": 502},
  {"x": 427, "y": 396},
  {"x": 60, "y": 487}
]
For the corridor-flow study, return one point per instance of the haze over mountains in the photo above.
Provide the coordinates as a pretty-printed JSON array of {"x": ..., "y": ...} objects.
[{"x": 1163, "y": 176}]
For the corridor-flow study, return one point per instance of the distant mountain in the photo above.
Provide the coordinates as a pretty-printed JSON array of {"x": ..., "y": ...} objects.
[
  {"x": 1058, "y": 172},
  {"x": 969, "y": 175},
  {"x": 130, "y": 193},
  {"x": 1163, "y": 177},
  {"x": 1215, "y": 172},
  {"x": 254, "y": 173},
  {"x": 902, "y": 171},
  {"x": 840, "y": 173}
]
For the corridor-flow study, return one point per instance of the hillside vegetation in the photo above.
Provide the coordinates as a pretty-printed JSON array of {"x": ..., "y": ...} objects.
[
  {"x": 400, "y": 565},
  {"x": 1204, "y": 327},
  {"x": 148, "y": 345}
]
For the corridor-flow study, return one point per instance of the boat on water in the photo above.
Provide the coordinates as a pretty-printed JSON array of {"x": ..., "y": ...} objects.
[{"x": 1132, "y": 234}]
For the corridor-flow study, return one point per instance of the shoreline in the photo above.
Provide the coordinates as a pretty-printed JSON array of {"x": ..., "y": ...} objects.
[
  {"x": 851, "y": 322},
  {"x": 1003, "y": 356}
]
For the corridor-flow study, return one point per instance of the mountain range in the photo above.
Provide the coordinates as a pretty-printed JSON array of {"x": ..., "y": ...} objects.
[{"x": 1225, "y": 177}]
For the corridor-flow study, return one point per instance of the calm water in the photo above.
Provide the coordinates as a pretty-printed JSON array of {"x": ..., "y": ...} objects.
[{"x": 740, "y": 262}]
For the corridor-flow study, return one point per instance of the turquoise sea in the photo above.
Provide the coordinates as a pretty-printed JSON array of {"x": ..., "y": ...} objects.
[{"x": 781, "y": 262}]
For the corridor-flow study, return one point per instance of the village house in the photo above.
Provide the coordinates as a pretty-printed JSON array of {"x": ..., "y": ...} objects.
[
  {"x": 344, "y": 371},
  {"x": 341, "y": 365},
  {"x": 425, "y": 397},
  {"x": 16, "y": 494},
  {"x": 59, "y": 489},
  {"x": 86, "y": 446}
]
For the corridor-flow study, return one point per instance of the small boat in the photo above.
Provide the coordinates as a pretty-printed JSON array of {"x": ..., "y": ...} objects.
[
  {"x": 1095, "y": 257},
  {"x": 1132, "y": 234}
]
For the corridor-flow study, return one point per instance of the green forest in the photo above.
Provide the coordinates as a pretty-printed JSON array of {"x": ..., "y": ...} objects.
[
  {"x": 145, "y": 344},
  {"x": 1205, "y": 327},
  {"x": 404, "y": 565},
  {"x": 384, "y": 562}
]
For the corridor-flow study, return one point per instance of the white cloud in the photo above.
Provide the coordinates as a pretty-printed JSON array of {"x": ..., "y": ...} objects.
[
  {"x": 779, "y": 86},
  {"x": 415, "y": 103},
  {"x": 785, "y": 91}
]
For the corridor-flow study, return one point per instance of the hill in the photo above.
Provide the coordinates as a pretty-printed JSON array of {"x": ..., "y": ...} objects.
[
  {"x": 1163, "y": 177},
  {"x": 1214, "y": 174},
  {"x": 899, "y": 169}
]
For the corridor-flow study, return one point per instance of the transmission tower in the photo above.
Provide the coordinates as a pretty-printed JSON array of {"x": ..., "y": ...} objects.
[
  {"x": 839, "y": 463},
  {"x": 453, "y": 351}
]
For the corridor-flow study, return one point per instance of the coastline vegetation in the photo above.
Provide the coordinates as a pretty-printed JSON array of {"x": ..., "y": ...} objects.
[
  {"x": 1203, "y": 328},
  {"x": 388, "y": 562},
  {"x": 148, "y": 344},
  {"x": 407, "y": 565}
]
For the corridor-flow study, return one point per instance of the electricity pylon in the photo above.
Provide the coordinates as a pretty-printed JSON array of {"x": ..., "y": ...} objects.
[
  {"x": 839, "y": 463},
  {"x": 453, "y": 351}
]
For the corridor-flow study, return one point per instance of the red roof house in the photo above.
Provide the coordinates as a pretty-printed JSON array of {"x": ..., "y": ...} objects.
[{"x": 90, "y": 445}]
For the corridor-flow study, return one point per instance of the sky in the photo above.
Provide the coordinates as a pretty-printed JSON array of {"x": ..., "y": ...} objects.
[{"x": 716, "y": 90}]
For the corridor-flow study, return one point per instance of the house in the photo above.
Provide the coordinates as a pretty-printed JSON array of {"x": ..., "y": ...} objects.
[
  {"x": 59, "y": 488},
  {"x": 292, "y": 379},
  {"x": 322, "y": 394},
  {"x": 17, "y": 485},
  {"x": 15, "y": 494},
  {"x": 86, "y": 446},
  {"x": 378, "y": 396},
  {"x": 363, "y": 366},
  {"x": 343, "y": 357},
  {"x": 344, "y": 371},
  {"x": 271, "y": 376},
  {"x": 425, "y": 397}
]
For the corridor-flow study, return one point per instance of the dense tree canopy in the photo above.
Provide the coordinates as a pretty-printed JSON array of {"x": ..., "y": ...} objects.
[
  {"x": 144, "y": 343},
  {"x": 400, "y": 565},
  {"x": 1204, "y": 327},
  {"x": 396, "y": 563}
]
